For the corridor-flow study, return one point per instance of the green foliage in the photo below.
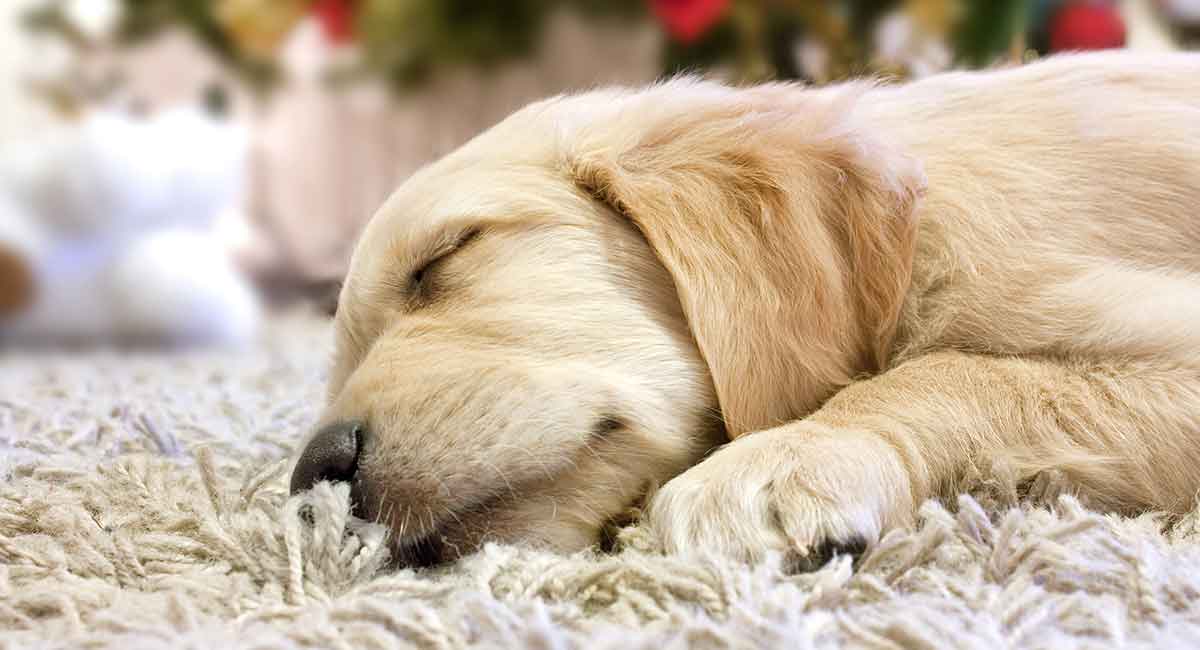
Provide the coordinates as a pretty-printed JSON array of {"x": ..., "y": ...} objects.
[
  {"x": 405, "y": 41},
  {"x": 142, "y": 19},
  {"x": 988, "y": 29},
  {"x": 984, "y": 34}
]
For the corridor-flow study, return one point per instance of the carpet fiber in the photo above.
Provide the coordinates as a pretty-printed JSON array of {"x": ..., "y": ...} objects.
[{"x": 143, "y": 504}]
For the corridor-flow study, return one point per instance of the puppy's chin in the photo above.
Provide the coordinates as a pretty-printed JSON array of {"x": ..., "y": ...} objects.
[
  {"x": 17, "y": 285},
  {"x": 562, "y": 513},
  {"x": 502, "y": 522}
]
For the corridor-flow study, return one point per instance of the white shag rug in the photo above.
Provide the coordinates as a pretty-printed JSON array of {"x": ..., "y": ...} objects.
[{"x": 143, "y": 504}]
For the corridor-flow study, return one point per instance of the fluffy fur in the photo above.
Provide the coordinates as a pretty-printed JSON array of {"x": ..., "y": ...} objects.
[{"x": 874, "y": 288}]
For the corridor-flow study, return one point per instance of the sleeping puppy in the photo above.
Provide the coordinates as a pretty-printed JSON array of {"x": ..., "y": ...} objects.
[{"x": 858, "y": 296}]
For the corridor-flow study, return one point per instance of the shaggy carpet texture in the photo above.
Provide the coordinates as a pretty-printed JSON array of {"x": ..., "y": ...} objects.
[{"x": 143, "y": 504}]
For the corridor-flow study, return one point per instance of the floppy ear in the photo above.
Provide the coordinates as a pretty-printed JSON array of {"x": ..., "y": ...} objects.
[{"x": 788, "y": 228}]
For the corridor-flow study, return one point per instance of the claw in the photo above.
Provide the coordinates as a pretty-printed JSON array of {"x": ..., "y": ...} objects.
[{"x": 799, "y": 562}]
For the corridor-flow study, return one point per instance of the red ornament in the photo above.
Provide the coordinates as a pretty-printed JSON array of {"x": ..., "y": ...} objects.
[
  {"x": 1086, "y": 26},
  {"x": 336, "y": 18},
  {"x": 688, "y": 20}
]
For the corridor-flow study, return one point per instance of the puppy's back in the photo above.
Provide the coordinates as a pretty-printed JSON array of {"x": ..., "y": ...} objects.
[{"x": 1097, "y": 153}]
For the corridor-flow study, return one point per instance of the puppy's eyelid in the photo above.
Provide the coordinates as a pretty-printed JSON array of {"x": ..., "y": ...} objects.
[{"x": 418, "y": 276}]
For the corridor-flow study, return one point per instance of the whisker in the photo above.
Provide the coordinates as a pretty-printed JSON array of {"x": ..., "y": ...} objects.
[
  {"x": 386, "y": 505},
  {"x": 503, "y": 477},
  {"x": 545, "y": 467},
  {"x": 452, "y": 514}
]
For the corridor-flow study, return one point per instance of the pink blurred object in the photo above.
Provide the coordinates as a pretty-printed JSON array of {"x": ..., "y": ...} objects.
[
  {"x": 324, "y": 160},
  {"x": 1087, "y": 25},
  {"x": 688, "y": 20},
  {"x": 336, "y": 18}
]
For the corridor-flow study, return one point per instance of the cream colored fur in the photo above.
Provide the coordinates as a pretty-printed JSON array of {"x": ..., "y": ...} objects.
[{"x": 878, "y": 289}]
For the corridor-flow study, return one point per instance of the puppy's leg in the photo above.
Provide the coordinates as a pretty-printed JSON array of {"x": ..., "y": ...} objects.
[{"x": 1127, "y": 433}]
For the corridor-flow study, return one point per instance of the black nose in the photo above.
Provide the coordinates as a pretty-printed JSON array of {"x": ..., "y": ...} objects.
[{"x": 331, "y": 456}]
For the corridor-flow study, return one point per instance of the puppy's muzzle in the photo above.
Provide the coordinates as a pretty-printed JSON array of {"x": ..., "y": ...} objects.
[{"x": 332, "y": 456}]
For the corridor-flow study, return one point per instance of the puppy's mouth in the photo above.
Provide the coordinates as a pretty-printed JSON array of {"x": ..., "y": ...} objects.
[
  {"x": 447, "y": 541},
  {"x": 434, "y": 533},
  {"x": 425, "y": 541},
  {"x": 422, "y": 553},
  {"x": 443, "y": 545},
  {"x": 461, "y": 535}
]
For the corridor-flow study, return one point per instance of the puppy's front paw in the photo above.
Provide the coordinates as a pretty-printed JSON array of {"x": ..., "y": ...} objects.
[{"x": 800, "y": 489}]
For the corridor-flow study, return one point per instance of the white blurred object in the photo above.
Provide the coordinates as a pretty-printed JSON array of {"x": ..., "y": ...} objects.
[
  {"x": 812, "y": 57},
  {"x": 94, "y": 18},
  {"x": 158, "y": 291},
  {"x": 116, "y": 174},
  {"x": 1181, "y": 11},
  {"x": 20, "y": 233},
  {"x": 900, "y": 42},
  {"x": 118, "y": 217},
  {"x": 1145, "y": 29}
]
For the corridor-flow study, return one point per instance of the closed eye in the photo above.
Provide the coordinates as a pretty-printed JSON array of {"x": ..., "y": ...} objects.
[{"x": 420, "y": 280}]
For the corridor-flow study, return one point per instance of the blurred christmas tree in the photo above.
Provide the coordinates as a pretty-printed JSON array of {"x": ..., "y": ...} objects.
[
  {"x": 824, "y": 41},
  {"x": 404, "y": 42}
]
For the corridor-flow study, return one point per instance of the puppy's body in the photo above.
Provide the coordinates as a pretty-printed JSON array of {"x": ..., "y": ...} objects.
[
  {"x": 1055, "y": 193},
  {"x": 885, "y": 286},
  {"x": 1061, "y": 225}
]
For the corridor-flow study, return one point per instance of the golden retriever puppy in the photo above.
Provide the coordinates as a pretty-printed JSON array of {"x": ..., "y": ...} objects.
[{"x": 866, "y": 291}]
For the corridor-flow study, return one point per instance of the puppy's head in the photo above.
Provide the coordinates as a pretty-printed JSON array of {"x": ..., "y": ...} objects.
[{"x": 578, "y": 304}]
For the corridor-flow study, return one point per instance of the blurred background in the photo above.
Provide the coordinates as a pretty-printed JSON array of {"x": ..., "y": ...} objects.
[{"x": 172, "y": 170}]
